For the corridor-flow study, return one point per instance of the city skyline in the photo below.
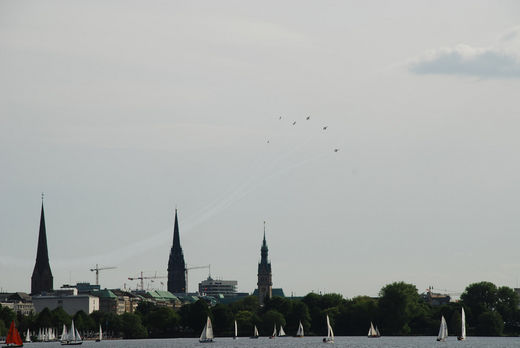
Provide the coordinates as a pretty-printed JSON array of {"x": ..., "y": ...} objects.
[{"x": 123, "y": 112}]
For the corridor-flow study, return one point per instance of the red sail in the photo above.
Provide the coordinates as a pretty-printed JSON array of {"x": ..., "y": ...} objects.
[{"x": 13, "y": 337}]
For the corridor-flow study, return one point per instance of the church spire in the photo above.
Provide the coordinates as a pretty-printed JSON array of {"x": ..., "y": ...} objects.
[
  {"x": 176, "y": 237},
  {"x": 265, "y": 278},
  {"x": 176, "y": 264},
  {"x": 42, "y": 279}
]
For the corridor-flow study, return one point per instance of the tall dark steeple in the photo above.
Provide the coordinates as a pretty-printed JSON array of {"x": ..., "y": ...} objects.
[
  {"x": 176, "y": 265},
  {"x": 41, "y": 280},
  {"x": 265, "y": 277}
]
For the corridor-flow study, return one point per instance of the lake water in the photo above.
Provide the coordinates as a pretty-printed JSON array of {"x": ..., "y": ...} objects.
[{"x": 292, "y": 342}]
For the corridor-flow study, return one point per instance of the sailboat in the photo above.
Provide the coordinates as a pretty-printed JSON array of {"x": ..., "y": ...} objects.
[
  {"x": 72, "y": 338},
  {"x": 330, "y": 333},
  {"x": 28, "y": 336},
  {"x": 100, "y": 334},
  {"x": 236, "y": 331},
  {"x": 255, "y": 333},
  {"x": 281, "y": 333},
  {"x": 13, "y": 338},
  {"x": 299, "y": 333},
  {"x": 373, "y": 332},
  {"x": 207, "y": 334},
  {"x": 443, "y": 330},
  {"x": 463, "y": 326},
  {"x": 274, "y": 332}
]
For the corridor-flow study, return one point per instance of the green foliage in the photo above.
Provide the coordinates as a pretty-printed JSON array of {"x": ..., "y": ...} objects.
[
  {"x": 60, "y": 318},
  {"x": 249, "y": 303},
  {"x": 194, "y": 315},
  {"x": 161, "y": 321},
  {"x": 271, "y": 318},
  {"x": 131, "y": 326},
  {"x": 44, "y": 318},
  {"x": 3, "y": 329},
  {"x": 398, "y": 305},
  {"x": 490, "y": 324},
  {"x": 223, "y": 320},
  {"x": 7, "y": 315},
  {"x": 398, "y": 311},
  {"x": 479, "y": 298},
  {"x": 246, "y": 321},
  {"x": 299, "y": 312},
  {"x": 84, "y": 322}
]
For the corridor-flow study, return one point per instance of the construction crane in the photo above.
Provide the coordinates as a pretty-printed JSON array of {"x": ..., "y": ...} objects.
[
  {"x": 97, "y": 269},
  {"x": 194, "y": 267},
  {"x": 142, "y": 278}
]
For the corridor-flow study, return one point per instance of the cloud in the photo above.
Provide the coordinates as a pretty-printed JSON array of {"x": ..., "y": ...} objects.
[{"x": 501, "y": 60}]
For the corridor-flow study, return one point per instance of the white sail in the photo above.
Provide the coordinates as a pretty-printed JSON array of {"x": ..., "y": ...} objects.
[
  {"x": 40, "y": 336},
  {"x": 100, "y": 333},
  {"x": 78, "y": 337},
  {"x": 72, "y": 335},
  {"x": 443, "y": 330},
  {"x": 377, "y": 332},
  {"x": 236, "y": 329},
  {"x": 371, "y": 331},
  {"x": 281, "y": 332},
  {"x": 463, "y": 323},
  {"x": 255, "y": 332},
  {"x": 330, "y": 333},
  {"x": 274, "y": 332},
  {"x": 64, "y": 335},
  {"x": 28, "y": 336},
  {"x": 299, "y": 333},
  {"x": 207, "y": 333}
]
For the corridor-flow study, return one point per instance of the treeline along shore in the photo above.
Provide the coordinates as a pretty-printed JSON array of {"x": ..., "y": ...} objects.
[{"x": 399, "y": 310}]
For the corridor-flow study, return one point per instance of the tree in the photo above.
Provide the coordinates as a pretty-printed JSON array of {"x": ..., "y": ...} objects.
[
  {"x": 194, "y": 315},
  {"x": 44, "y": 318},
  {"x": 60, "y": 317},
  {"x": 490, "y": 324},
  {"x": 246, "y": 321},
  {"x": 507, "y": 304},
  {"x": 223, "y": 319},
  {"x": 299, "y": 313},
  {"x": 7, "y": 315},
  {"x": 161, "y": 322},
  {"x": 398, "y": 303},
  {"x": 479, "y": 298},
  {"x": 83, "y": 322},
  {"x": 132, "y": 327},
  {"x": 272, "y": 318}
]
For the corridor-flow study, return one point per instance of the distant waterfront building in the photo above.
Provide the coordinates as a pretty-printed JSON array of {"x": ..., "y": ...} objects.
[
  {"x": 435, "y": 299},
  {"x": 83, "y": 288},
  {"x": 265, "y": 278},
  {"x": 19, "y": 302},
  {"x": 41, "y": 280},
  {"x": 214, "y": 287},
  {"x": 176, "y": 265},
  {"x": 70, "y": 303}
]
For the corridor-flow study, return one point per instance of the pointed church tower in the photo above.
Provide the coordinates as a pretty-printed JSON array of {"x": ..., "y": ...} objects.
[
  {"x": 265, "y": 277},
  {"x": 176, "y": 265},
  {"x": 41, "y": 280}
]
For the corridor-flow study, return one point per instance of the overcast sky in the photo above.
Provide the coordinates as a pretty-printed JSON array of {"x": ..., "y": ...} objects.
[{"x": 121, "y": 111}]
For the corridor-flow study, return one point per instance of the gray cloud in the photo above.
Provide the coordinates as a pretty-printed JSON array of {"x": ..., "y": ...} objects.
[{"x": 502, "y": 60}]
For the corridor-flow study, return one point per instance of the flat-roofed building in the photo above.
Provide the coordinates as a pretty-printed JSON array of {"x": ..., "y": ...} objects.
[
  {"x": 215, "y": 287},
  {"x": 70, "y": 304}
]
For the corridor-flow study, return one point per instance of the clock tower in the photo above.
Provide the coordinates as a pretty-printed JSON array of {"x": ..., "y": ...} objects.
[{"x": 265, "y": 278}]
